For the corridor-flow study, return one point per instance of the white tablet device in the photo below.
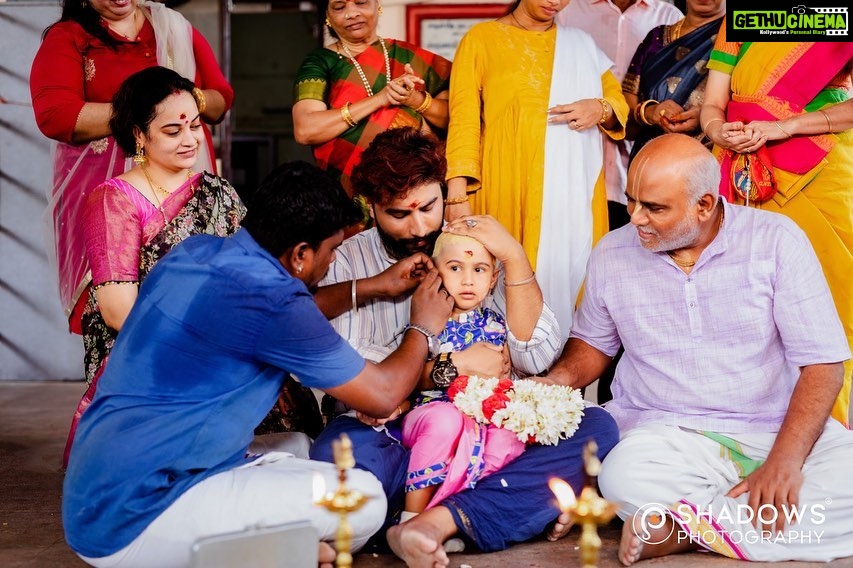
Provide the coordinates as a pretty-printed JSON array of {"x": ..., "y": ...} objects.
[{"x": 291, "y": 545}]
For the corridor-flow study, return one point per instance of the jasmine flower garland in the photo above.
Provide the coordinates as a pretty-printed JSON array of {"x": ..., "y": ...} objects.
[{"x": 536, "y": 412}]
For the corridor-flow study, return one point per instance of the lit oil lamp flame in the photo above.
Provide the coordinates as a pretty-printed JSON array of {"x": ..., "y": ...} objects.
[{"x": 564, "y": 493}]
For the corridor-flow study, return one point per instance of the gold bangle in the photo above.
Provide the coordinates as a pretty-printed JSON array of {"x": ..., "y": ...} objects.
[
  {"x": 456, "y": 200},
  {"x": 640, "y": 114},
  {"x": 828, "y": 122},
  {"x": 200, "y": 99},
  {"x": 779, "y": 126},
  {"x": 605, "y": 111},
  {"x": 424, "y": 105},
  {"x": 705, "y": 127},
  {"x": 641, "y": 111},
  {"x": 521, "y": 282},
  {"x": 345, "y": 114}
]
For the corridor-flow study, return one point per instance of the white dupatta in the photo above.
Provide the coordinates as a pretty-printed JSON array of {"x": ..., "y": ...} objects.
[
  {"x": 573, "y": 162},
  {"x": 174, "y": 35}
]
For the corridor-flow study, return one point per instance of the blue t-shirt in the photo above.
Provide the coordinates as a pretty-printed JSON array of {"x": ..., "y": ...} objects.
[{"x": 217, "y": 325}]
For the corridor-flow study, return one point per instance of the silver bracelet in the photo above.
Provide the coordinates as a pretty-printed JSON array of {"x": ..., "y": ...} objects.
[
  {"x": 521, "y": 282},
  {"x": 352, "y": 292}
]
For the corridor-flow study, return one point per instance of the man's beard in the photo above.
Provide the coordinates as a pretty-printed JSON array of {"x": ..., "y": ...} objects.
[
  {"x": 401, "y": 248},
  {"x": 684, "y": 235}
]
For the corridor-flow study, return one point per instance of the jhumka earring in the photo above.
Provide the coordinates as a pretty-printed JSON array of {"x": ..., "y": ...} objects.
[
  {"x": 139, "y": 158},
  {"x": 328, "y": 23}
]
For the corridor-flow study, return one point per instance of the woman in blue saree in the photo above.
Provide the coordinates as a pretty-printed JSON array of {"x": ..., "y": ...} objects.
[{"x": 665, "y": 83}]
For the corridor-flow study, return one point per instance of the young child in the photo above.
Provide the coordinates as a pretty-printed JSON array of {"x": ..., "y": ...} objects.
[{"x": 450, "y": 451}]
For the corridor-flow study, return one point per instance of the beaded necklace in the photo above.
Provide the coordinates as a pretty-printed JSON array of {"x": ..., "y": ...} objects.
[{"x": 360, "y": 71}]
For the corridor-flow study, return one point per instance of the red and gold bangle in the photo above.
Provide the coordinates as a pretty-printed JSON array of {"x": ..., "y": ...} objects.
[{"x": 640, "y": 112}]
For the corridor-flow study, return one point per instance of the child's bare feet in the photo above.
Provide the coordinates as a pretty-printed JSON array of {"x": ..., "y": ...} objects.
[
  {"x": 419, "y": 540},
  {"x": 641, "y": 540}
]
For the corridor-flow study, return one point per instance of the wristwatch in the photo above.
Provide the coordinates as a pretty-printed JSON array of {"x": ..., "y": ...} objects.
[
  {"x": 432, "y": 340},
  {"x": 443, "y": 371}
]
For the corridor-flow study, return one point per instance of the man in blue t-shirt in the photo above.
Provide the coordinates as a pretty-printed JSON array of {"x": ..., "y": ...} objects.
[{"x": 160, "y": 457}]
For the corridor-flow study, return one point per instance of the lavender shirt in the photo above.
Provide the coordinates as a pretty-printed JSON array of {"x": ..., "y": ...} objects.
[{"x": 718, "y": 349}]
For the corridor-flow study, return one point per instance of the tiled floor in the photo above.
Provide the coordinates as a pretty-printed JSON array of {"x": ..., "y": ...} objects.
[{"x": 33, "y": 424}]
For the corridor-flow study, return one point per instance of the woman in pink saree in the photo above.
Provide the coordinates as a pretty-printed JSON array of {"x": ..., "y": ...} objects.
[
  {"x": 129, "y": 222},
  {"x": 82, "y": 61}
]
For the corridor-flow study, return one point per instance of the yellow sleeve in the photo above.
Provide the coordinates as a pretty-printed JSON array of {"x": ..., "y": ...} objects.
[
  {"x": 612, "y": 90},
  {"x": 464, "y": 131}
]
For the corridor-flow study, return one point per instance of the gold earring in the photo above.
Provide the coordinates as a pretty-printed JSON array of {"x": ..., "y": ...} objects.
[
  {"x": 298, "y": 270},
  {"x": 139, "y": 158},
  {"x": 379, "y": 9},
  {"x": 328, "y": 23}
]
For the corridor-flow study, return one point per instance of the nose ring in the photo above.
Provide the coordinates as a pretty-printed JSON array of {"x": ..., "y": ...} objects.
[{"x": 471, "y": 223}]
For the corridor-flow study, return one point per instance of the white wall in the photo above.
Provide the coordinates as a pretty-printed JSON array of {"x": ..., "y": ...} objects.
[
  {"x": 34, "y": 339},
  {"x": 392, "y": 23}
]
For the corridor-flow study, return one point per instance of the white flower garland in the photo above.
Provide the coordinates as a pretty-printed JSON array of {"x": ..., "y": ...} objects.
[{"x": 536, "y": 412}]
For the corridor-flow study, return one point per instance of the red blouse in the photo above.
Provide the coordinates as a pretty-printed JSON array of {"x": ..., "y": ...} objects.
[{"x": 72, "y": 68}]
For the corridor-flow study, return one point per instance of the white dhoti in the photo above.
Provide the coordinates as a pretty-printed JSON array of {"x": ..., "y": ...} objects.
[
  {"x": 275, "y": 489},
  {"x": 682, "y": 473}
]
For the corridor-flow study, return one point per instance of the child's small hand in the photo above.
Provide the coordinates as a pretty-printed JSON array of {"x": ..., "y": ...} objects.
[{"x": 483, "y": 360}]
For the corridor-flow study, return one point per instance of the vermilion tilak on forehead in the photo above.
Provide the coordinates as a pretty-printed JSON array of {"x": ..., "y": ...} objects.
[
  {"x": 183, "y": 116},
  {"x": 469, "y": 252},
  {"x": 414, "y": 204}
]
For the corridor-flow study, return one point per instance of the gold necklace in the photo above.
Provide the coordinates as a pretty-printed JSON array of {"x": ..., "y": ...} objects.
[
  {"x": 155, "y": 187},
  {"x": 520, "y": 25},
  {"x": 135, "y": 28},
  {"x": 681, "y": 263},
  {"x": 691, "y": 263},
  {"x": 360, "y": 71}
]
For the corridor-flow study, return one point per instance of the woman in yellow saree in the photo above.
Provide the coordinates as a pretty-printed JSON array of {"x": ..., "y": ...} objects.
[
  {"x": 792, "y": 99},
  {"x": 527, "y": 100}
]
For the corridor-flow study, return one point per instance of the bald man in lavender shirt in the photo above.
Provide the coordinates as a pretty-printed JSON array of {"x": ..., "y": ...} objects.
[{"x": 733, "y": 358}]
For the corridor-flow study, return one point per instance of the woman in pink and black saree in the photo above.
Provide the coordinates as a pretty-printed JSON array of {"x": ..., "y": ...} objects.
[
  {"x": 134, "y": 219},
  {"x": 786, "y": 103}
]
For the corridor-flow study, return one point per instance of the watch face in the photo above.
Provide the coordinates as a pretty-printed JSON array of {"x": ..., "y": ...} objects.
[{"x": 443, "y": 373}]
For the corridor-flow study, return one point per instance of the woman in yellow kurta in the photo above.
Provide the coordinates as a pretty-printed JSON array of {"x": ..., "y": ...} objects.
[
  {"x": 792, "y": 98},
  {"x": 526, "y": 149}
]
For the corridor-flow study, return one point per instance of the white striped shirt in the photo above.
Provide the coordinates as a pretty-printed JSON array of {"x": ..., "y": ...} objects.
[{"x": 376, "y": 329}]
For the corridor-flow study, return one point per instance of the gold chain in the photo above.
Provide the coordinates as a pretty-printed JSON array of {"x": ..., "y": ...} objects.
[
  {"x": 155, "y": 187},
  {"x": 135, "y": 28},
  {"x": 691, "y": 263},
  {"x": 520, "y": 25},
  {"x": 360, "y": 71}
]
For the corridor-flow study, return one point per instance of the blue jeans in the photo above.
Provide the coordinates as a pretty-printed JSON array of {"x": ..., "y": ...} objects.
[{"x": 512, "y": 505}]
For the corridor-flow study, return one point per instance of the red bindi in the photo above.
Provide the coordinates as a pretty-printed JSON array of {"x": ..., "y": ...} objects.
[
  {"x": 414, "y": 204},
  {"x": 183, "y": 116},
  {"x": 469, "y": 252}
]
